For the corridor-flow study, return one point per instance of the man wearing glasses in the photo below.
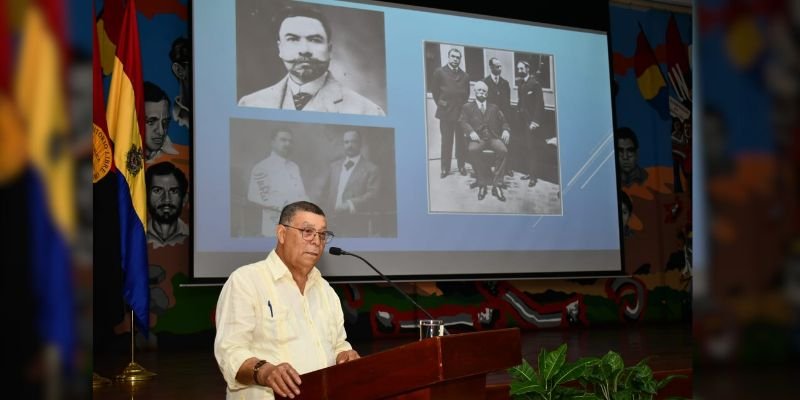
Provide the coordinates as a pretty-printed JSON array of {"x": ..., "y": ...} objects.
[{"x": 278, "y": 318}]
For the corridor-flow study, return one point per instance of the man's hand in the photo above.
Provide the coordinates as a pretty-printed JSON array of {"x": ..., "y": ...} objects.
[
  {"x": 282, "y": 378},
  {"x": 504, "y": 137},
  {"x": 533, "y": 125},
  {"x": 347, "y": 355},
  {"x": 553, "y": 141},
  {"x": 473, "y": 136}
]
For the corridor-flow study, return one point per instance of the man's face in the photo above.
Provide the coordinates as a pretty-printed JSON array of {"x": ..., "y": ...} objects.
[
  {"x": 282, "y": 144},
  {"x": 522, "y": 70},
  {"x": 496, "y": 67},
  {"x": 480, "y": 92},
  {"x": 165, "y": 199},
  {"x": 156, "y": 121},
  {"x": 627, "y": 154},
  {"x": 304, "y": 48},
  {"x": 454, "y": 59},
  {"x": 296, "y": 251},
  {"x": 352, "y": 144}
]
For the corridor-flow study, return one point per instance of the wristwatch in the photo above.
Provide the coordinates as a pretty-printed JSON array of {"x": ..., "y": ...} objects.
[{"x": 258, "y": 365}]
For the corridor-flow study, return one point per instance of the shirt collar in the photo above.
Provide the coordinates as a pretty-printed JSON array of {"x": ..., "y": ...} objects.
[
  {"x": 310, "y": 87},
  {"x": 279, "y": 270},
  {"x": 354, "y": 159},
  {"x": 278, "y": 157}
]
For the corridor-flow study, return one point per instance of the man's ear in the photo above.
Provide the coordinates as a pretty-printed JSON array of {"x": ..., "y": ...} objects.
[{"x": 280, "y": 233}]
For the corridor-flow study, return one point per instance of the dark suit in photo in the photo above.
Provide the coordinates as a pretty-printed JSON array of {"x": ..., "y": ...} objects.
[
  {"x": 489, "y": 125},
  {"x": 450, "y": 90},
  {"x": 499, "y": 94},
  {"x": 360, "y": 192},
  {"x": 531, "y": 109}
]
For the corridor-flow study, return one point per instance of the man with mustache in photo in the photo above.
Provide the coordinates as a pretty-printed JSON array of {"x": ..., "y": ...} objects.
[
  {"x": 305, "y": 47},
  {"x": 167, "y": 187}
]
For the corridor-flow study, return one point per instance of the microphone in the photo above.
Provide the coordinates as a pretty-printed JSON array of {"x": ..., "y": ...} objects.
[{"x": 336, "y": 251}]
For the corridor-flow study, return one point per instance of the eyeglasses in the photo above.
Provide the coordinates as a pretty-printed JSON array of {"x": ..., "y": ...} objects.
[{"x": 308, "y": 234}]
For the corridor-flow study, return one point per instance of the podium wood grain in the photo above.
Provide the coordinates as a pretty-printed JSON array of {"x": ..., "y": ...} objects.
[{"x": 441, "y": 368}]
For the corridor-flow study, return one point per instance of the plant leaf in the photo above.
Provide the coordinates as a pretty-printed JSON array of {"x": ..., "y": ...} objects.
[
  {"x": 622, "y": 395},
  {"x": 570, "y": 372},
  {"x": 587, "y": 396},
  {"x": 611, "y": 365},
  {"x": 553, "y": 361},
  {"x": 667, "y": 380},
  {"x": 523, "y": 372},
  {"x": 518, "y": 388}
]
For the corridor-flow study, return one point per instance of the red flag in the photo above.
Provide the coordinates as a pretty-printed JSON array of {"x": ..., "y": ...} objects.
[{"x": 678, "y": 70}]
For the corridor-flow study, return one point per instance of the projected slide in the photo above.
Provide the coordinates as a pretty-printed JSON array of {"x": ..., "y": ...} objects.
[{"x": 438, "y": 145}]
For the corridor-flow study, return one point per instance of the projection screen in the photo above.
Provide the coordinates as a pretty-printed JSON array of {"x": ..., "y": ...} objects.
[{"x": 390, "y": 101}]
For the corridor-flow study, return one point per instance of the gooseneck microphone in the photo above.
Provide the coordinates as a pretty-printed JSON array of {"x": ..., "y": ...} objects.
[{"x": 336, "y": 251}]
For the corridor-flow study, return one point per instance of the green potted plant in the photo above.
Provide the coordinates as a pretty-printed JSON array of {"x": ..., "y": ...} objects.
[{"x": 589, "y": 378}]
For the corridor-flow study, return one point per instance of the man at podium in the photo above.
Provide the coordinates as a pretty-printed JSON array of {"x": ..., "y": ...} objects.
[{"x": 278, "y": 318}]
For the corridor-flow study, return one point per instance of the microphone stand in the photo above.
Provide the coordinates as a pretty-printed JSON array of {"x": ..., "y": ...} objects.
[{"x": 389, "y": 281}]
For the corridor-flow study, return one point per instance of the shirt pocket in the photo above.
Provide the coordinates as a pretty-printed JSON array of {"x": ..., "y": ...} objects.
[{"x": 280, "y": 326}]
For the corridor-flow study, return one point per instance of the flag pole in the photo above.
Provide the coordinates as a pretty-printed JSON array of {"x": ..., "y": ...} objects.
[{"x": 134, "y": 372}]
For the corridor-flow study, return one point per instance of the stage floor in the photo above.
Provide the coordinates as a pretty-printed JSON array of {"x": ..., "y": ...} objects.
[{"x": 184, "y": 374}]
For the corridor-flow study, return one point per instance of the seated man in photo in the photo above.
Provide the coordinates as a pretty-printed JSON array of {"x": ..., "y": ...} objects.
[{"x": 485, "y": 127}]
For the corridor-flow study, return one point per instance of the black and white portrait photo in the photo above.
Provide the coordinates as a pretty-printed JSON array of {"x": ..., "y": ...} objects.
[
  {"x": 294, "y": 55},
  {"x": 491, "y": 131},
  {"x": 348, "y": 170}
]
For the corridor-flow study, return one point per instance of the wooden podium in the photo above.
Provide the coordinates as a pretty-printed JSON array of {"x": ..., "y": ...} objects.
[{"x": 440, "y": 368}]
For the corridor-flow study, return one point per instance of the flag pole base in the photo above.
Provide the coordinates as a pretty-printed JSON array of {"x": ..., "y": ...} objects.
[
  {"x": 98, "y": 380},
  {"x": 135, "y": 372}
]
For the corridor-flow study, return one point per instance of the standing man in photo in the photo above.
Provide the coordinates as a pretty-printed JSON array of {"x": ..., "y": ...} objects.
[
  {"x": 450, "y": 91},
  {"x": 351, "y": 189},
  {"x": 499, "y": 94},
  {"x": 276, "y": 181},
  {"x": 531, "y": 114},
  {"x": 305, "y": 47}
]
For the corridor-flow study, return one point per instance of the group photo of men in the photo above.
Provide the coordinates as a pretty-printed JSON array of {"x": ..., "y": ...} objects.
[{"x": 492, "y": 136}]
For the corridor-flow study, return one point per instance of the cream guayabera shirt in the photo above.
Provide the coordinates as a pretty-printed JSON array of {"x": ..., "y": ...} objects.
[{"x": 261, "y": 313}]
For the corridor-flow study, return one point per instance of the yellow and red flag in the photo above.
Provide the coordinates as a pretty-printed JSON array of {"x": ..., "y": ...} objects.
[
  {"x": 125, "y": 118},
  {"x": 649, "y": 78}
]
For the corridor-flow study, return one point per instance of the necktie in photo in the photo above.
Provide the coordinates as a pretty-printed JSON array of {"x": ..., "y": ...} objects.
[
  {"x": 483, "y": 108},
  {"x": 300, "y": 100},
  {"x": 348, "y": 165}
]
